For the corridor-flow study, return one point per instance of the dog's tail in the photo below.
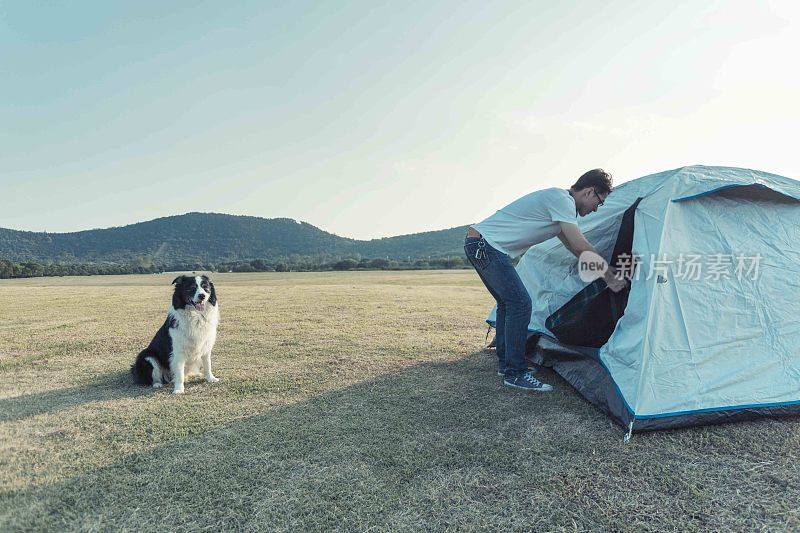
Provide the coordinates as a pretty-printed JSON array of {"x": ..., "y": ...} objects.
[{"x": 141, "y": 369}]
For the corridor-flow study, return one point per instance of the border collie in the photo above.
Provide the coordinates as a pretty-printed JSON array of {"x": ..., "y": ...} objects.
[{"x": 182, "y": 346}]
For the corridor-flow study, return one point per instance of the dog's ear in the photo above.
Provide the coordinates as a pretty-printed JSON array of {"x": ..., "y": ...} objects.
[
  {"x": 178, "y": 279},
  {"x": 213, "y": 298}
]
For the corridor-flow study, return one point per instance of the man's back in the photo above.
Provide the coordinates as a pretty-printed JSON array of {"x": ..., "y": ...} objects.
[{"x": 532, "y": 219}]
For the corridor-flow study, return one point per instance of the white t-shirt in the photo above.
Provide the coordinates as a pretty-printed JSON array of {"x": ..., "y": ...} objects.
[{"x": 530, "y": 220}]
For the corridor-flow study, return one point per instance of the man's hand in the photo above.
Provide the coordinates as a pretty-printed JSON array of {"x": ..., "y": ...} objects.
[
  {"x": 614, "y": 280},
  {"x": 575, "y": 242}
]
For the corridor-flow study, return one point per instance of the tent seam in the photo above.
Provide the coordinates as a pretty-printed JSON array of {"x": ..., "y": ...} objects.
[{"x": 648, "y": 324}]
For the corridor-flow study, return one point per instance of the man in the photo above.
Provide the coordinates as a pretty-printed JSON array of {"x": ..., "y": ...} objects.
[{"x": 492, "y": 244}]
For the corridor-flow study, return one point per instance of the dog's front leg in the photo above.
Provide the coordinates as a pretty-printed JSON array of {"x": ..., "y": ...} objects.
[
  {"x": 178, "y": 368},
  {"x": 207, "y": 367}
]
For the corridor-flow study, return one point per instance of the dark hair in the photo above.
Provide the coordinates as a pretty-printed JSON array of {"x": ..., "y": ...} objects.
[{"x": 597, "y": 178}]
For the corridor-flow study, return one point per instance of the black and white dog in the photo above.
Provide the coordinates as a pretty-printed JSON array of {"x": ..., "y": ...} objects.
[{"x": 182, "y": 346}]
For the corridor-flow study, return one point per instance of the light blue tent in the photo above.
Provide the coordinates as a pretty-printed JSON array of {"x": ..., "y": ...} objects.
[{"x": 691, "y": 348}]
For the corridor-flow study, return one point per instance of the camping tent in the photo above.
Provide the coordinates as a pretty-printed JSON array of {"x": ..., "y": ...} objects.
[{"x": 709, "y": 330}]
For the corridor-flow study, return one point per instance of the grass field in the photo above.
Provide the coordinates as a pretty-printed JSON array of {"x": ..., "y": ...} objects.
[{"x": 350, "y": 401}]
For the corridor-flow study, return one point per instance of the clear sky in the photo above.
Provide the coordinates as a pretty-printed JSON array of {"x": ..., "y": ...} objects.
[{"x": 372, "y": 119}]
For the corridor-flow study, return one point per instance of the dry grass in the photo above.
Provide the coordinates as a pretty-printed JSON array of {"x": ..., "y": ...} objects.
[{"x": 347, "y": 401}]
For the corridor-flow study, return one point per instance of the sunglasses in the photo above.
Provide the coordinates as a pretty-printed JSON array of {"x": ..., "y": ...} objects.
[{"x": 600, "y": 201}]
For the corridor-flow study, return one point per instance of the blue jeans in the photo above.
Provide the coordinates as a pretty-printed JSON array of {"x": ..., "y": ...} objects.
[{"x": 513, "y": 303}]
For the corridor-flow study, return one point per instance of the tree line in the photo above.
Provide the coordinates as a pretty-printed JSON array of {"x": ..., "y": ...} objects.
[{"x": 293, "y": 263}]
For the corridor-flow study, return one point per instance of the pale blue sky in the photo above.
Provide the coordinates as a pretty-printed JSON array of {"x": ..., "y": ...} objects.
[{"x": 371, "y": 119}]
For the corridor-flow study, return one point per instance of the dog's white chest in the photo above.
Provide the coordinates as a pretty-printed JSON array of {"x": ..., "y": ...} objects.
[{"x": 194, "y": 332}]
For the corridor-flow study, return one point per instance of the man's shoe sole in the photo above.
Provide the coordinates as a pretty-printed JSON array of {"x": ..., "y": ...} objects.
[{"x": 544, "y": 388}]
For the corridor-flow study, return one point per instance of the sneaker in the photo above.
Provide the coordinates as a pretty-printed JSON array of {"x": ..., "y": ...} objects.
[{"x": 527, "y": 382}]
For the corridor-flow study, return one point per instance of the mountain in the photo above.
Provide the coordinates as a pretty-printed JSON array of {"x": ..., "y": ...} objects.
[{"x": 213, "y": 237}]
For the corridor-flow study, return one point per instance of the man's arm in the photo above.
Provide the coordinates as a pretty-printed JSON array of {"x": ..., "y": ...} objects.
[
  {"x": 573, "y": 239},
  {"x": 566, "y": 243}
]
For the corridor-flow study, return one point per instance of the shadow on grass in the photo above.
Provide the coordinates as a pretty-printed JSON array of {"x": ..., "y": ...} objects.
[
  {"x": 435, "y": 446},
  {"x": 107, "y": 387}
]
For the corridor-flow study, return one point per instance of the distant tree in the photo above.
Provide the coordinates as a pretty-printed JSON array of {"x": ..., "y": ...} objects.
[
  {"x": 31, "y": 269},
  {"x": 379, "y": 263},
  {"x": 6, "y": 269},
  {"x": 345, "y": 264},
  {"x": 259, "y": 264}
]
